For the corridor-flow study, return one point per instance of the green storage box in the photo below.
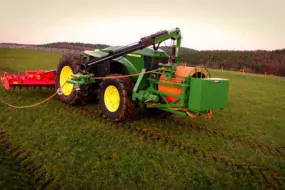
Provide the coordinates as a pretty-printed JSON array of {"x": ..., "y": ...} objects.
[{"x": 208, "y": 94}]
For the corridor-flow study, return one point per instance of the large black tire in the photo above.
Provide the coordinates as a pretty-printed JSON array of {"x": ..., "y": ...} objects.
[
  {"x": 127, "y": 107},
  {"x": 74, "y": 61}
]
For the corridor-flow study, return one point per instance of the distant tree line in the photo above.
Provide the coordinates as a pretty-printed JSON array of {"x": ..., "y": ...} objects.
[
  {"x": 74, "y": 45},
  {"x": 271, "y": 62}
]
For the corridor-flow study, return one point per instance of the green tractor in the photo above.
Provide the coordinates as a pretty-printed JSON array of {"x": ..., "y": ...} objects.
[{"x": 120, "y": 77}]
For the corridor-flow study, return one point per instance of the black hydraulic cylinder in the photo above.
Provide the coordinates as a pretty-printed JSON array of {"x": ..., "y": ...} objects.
[{"x": 144, "y": 42}]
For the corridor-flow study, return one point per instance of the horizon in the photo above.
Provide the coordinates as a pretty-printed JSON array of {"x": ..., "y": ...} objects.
[
  {"x": 282, "y": 49},
  {"x": 206, "y": 25}
]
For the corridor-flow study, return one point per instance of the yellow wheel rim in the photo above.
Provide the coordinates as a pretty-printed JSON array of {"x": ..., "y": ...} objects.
[
  {"x": 112, "y": 98},
  {"x": 65, "y": 73}
]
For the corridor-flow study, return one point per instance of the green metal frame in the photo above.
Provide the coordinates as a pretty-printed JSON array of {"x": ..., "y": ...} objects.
[
  {"x": 151, "y": 94},
  {"x": 81, "y": 79}
]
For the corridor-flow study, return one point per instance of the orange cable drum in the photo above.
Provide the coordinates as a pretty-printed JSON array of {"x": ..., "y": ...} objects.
[{"x": 181, "y": 71}]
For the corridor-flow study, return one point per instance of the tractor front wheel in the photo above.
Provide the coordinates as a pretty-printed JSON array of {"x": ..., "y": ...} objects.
[
  {"x": 70, "y": 64},
  {"x": 115, "y": 98}
]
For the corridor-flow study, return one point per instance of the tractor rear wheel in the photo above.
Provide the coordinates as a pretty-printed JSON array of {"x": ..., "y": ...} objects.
[
  {"x": 115, "y": 98},
  {"x": 70, "y": 64}
]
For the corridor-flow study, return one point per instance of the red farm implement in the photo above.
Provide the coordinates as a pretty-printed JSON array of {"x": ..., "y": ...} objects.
[{"x": 29, "y": 79}]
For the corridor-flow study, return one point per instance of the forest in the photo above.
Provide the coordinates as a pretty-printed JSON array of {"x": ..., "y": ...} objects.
[{"x": 258, "y": 61}]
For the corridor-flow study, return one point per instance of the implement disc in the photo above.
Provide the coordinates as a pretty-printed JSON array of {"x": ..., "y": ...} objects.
[{"x": 5, "y": 81}]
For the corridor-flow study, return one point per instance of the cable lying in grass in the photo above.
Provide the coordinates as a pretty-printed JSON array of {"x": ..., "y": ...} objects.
[{"x": 33, "y": 105}]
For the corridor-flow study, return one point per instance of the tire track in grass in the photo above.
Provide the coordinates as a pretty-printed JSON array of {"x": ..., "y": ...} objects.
[
  {"x": 238, "y": 141},
  {"x": 245, "y": 142},
  {"x": 40, "y": 177},
  {"x": 270, "y": 178}
]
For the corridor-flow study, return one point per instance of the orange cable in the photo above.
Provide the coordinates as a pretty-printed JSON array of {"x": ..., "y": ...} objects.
[
  {"x": 29, "y": 106},
  {"x": 33, "y": 105}
]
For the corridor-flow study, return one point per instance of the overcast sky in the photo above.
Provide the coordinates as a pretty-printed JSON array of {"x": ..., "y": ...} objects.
[{"x": 205, "y": 24}]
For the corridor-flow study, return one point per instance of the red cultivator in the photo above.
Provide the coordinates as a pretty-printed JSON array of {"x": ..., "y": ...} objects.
[{"x": 29, "y": 79}]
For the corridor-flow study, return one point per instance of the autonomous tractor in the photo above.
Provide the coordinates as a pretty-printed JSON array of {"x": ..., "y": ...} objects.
[{"x": 120, "y": 78}]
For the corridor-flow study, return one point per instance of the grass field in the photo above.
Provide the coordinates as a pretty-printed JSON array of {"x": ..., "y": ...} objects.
[{"x": 74, "y": 147}]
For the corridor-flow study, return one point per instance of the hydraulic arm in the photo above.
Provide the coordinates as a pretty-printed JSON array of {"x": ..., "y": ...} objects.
[{"x": 144, "y": 42}]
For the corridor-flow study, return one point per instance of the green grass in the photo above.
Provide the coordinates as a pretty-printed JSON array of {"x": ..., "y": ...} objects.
[
  {"x": 11, "y": 175},
  {"x": 83, "y": 150}
]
